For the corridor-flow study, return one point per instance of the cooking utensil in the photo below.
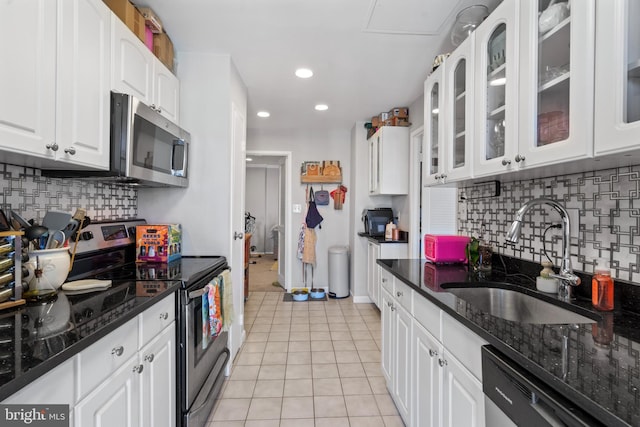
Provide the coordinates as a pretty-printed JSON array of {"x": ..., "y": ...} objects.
[
  {"x": 56, "y": 220},
  {"x": 5, "y": 225},
  {"x": 34, "y": 232},
  {"x": 85, "y": 286},
  {"x": 56, "y": 239},
  {"x": 20, "y": 220}
]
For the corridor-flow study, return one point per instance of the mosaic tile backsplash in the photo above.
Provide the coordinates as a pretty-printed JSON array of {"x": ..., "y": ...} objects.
[
  {"x": 32, "y": 195},
  {"x": 603, "y": 206}
]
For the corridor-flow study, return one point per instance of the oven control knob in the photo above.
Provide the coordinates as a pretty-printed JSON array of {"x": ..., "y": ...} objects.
[{"x": 86, "y": 235}]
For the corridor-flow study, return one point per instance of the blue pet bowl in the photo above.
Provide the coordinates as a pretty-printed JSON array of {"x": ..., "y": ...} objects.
[
  {"x": 317, "y": 293},
  {"x": 300, "y": 295}
]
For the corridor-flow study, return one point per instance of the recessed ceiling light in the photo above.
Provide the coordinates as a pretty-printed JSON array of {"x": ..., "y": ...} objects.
[
  {"x": 322, "y": 107},
  {"x": 304, "y": 73},
  {"x": 263, "y": 114}
]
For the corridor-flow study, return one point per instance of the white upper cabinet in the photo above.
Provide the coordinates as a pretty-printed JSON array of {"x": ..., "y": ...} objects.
[
  {"x": 617, "y": 89},
  {"x": 83, "y": 98},
  {"x": 131, "y": 62},
  {"x": 389, "y": 161},
  {"x": 136, "y": 71},
  {"x": 496, "y": 92},
  {"x": 55, "y": 88},
  {"x": 556, "y": 82},
  {"x": 28, "y": 80},
  {"x": 459, "y": 86},
  {"x": 434, "y": 150}
]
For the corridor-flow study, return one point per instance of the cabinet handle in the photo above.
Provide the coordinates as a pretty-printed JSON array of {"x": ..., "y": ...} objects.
[
  {"x": 53, "y": 146},
  {"x": 519, "y": 158},
  {"x": 384, "y": 280},
  {"x": 442, "y": 362},
  {"x": 399, "y": 294},
  {"x": 117, "y": 351},
  {"x": 506, "y": 162},
  {"x": 152, "y": 106},
  {"x": 388, "y": 303},
  {"x": 70, "y": 151},
  {"x": 164, "y": 316},
  {"x": 436, "y": 177},
  {"x": 443, "y": 177},
  {"x": 138, "y": 368},
  {"x": 432, "y": 353},
  {"x": 149, "y": 358},
  {"x": 159, "y": 110},
  {"x": 393, "y": 307}
]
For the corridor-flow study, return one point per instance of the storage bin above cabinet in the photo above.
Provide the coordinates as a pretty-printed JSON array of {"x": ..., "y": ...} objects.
[{"x": 389, "y": 161}]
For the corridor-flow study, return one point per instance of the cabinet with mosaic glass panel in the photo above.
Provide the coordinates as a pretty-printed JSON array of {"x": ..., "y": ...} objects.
[
  {"x": 617, "y": 77},
  {"x": 496, "y": 91},
  {"x": 556, "y": 55}
]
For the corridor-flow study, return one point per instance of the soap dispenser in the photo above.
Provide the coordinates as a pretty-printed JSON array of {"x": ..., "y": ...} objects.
[
  {"x": 544, "y": 282},
  {"x": 602, "y": 286}
]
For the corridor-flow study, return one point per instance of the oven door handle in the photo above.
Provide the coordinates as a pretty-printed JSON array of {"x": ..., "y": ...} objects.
[{"x": 196, "y": 294}]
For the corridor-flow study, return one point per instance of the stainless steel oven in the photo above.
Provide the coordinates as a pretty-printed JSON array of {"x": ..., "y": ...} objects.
[{"x": 203, "y": 365}]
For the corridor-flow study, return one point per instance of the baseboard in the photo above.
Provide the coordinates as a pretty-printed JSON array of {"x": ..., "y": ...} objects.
[{"x": 362, "y": 300}]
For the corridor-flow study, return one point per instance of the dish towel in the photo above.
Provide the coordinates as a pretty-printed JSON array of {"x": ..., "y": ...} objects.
[
  {"x": 227, "y": 299},
  {"x": 215, "y": 308},
  {"x": 206, "y": 325}
]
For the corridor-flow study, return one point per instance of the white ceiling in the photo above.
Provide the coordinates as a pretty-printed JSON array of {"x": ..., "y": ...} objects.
[{"x": 368, "y": 56}]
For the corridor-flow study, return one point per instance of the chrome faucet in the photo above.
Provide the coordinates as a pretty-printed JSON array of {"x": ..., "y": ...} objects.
[{"x": 567, "y": 279}]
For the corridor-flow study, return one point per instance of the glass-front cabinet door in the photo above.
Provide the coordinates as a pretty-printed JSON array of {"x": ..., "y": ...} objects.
[
  {"x": 556, "y": 81},
  {"x": 617, "y": 88},
  {"x": 433, "y": 147},
  {"x": 459, "y": 94},
  {"x": 496, "y": 102}
]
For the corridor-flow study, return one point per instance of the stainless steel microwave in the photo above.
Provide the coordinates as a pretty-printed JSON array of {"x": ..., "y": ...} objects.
[{"x": 146, "y": 148}]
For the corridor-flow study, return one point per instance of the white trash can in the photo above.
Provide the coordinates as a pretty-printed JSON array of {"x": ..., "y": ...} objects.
[{"x": 338, "y": 271}]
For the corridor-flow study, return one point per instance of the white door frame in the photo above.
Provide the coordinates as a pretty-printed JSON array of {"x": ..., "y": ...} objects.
[
  {"x": 288, "y": 230},
  {"x": 415, "y": 191}
]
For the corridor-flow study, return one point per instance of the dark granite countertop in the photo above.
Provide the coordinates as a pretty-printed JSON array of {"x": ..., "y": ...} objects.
[
  {"x": 36, "y": 338},
  {"x": 381, "y": 239},
  {"x": 601, "y": 371}
]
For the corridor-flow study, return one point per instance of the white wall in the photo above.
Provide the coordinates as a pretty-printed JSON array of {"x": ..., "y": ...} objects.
[
  {"x": 401, "y": 204},
  {"x": 307, "y": 146},
  {"x": 205, "y": 113},
  {"x": 262, "y": 199}
]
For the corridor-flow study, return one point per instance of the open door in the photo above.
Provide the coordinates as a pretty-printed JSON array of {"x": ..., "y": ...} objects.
[{"x": 236, "y": 261}]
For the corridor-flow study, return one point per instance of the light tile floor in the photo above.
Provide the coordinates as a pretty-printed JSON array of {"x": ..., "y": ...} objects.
[{"x": 307, "y": 364}]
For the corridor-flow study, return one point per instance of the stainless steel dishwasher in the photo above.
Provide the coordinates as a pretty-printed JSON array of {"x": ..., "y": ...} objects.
[{"x": 514, "y": 397}]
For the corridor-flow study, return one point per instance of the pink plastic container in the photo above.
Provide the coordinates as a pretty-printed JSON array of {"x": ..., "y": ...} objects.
[
  {"x": 148, "y": 38},
  {"x": 445, "y": 249}
]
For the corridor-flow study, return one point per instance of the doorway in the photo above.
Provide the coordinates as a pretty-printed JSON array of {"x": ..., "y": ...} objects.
[{"x": 268, "y": 193}]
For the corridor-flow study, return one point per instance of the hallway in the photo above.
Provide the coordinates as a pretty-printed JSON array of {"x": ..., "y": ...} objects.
[{"x": 307, "y": 364}]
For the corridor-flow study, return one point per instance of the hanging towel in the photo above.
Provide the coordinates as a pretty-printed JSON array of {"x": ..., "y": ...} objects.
[
  {"x": 215, "y": 308},
  {"x": 227, "y": 299},
  {"x": 206, "y": 324}
]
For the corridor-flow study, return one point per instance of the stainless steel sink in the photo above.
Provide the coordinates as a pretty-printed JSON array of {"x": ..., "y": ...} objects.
[{"x": 516, "y": 306}]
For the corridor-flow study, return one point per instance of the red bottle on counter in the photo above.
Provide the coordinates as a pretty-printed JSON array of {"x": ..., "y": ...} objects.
[{"x": 602, "y": 287}]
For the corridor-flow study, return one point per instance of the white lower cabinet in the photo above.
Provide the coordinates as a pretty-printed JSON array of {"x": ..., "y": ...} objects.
[
  {"x": 119, "y": 380},
  {"x": 462, "y": 396},
  {"x": 431, "y": 384},
  {"x": 396, "y": 355},
  {"x": 115, "y": 402},
  {"x": 373, "y": 272},
  {"x": 159, "y": 381},
  {"x": 376, "y": 274},
  {"x": 426, "y": 389}
]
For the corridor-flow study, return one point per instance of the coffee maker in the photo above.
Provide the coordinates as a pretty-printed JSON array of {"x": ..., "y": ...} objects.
[{"x": 375, "y": 220}]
